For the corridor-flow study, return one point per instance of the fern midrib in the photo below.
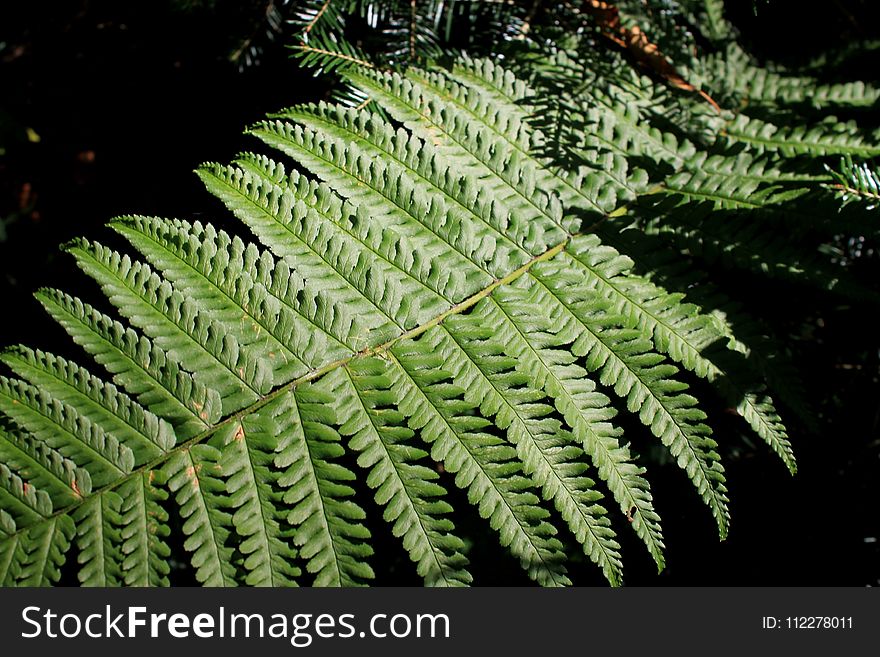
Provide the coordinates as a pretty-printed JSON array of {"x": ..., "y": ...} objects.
[
  {"x": 330, "y": 53},
  {"x": 103, "y": 559},
  {"x": 726, "y": 199},
  {"x": 766, "y": 174},
  {"x": 310, "y": 376},
  {"x": 41, "y": 553},
  {"x": 100, "y": 540},
  {"x": 321, "y": 503},
  {"x": 862, "y": 193}
]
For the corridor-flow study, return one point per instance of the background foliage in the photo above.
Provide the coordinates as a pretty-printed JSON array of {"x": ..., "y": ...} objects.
[{"x": 75, "y": 81}]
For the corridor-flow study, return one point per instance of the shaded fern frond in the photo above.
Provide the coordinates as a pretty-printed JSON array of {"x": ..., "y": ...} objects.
[{"x": 856, "y": 182}]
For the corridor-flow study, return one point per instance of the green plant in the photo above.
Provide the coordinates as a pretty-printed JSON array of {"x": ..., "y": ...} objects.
[{"x": 470, "y": 288}]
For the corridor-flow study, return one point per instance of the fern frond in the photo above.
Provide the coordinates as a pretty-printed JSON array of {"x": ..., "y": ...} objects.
[
  {"x": 624, "y": 360},
  {"x": 856, "y": 182},
  {"x": 489, "y": 376},
  {"x": 327, "y": 524},
  {"x": 137, "y": 365},
  {"x": 427, "y": 297},
  {"x": 65, "y": 429},
  {"x": 732, "y": 74},
  {"x": 98, "y": 541},
  {"x": 455, "y": 119},
  {"x": 239, "y": 287},
  {"x": 483, "y": 465},
  {"x": 177, "y": 325},
  {"x": 142, "y": 529},
  {"x": 23, "y": 501},
  {"x": 617, "y": 123},
  {"x": 35, "y": 558},
  {"x": 829, "y": 137},
  {"x": 679, "y": 330},
  {"x": 728, "y": 191},
  {"x": 413, "y": 501},
  {"x": 384, "y": 187},
  {"x": 194, "y": 477},
  {"x": 357, "y": 304},
  {"x": 247, "y": 461},
  {"x": 44, "y": 466},
  {"x": 540, "y": 346},
  {"x": 99, "y": 402}
]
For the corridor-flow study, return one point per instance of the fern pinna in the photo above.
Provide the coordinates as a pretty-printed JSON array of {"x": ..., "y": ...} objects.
[{"x": 431, "y": 292}]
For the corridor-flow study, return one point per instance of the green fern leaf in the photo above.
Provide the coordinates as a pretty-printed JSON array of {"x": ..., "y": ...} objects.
[
  {"x": 826, "y": 138},
  {"x": 138, "y": 365},
  {"x": 193, "y": 475},
  {"x": 36, "y": 557},
  {"x": 143, "y": 527},
  {"x": 98, "y": 540},
  {"x": 483, "y": 465},
  {"x": 44, "y": 467},
  {"x": 540, "y": 345},
  {"x": 491, "y": 381},
  {"x": 328, "y": 529},
  {"x": 148, "y": 435},
  {"x": 413, "y": 501},
  {"x": 64, "y": 429},
  {"x": 625, "y": 361}
]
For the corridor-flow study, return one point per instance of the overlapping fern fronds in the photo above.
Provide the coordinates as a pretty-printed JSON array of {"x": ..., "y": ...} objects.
[
  {"x": 429, "y": 299},
  {"x": 334, "y": 34}
]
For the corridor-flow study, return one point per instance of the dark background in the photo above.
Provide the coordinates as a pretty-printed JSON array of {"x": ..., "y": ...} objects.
[{"x": 107, "y": 107}]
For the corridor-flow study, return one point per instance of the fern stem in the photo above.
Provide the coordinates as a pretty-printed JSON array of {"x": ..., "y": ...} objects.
[
  {"x": 338, "y": 55},
  {"x": 317, "y": 17}
]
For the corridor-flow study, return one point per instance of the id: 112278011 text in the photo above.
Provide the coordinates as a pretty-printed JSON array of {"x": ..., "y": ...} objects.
[{"x": 807, "y": 623}]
